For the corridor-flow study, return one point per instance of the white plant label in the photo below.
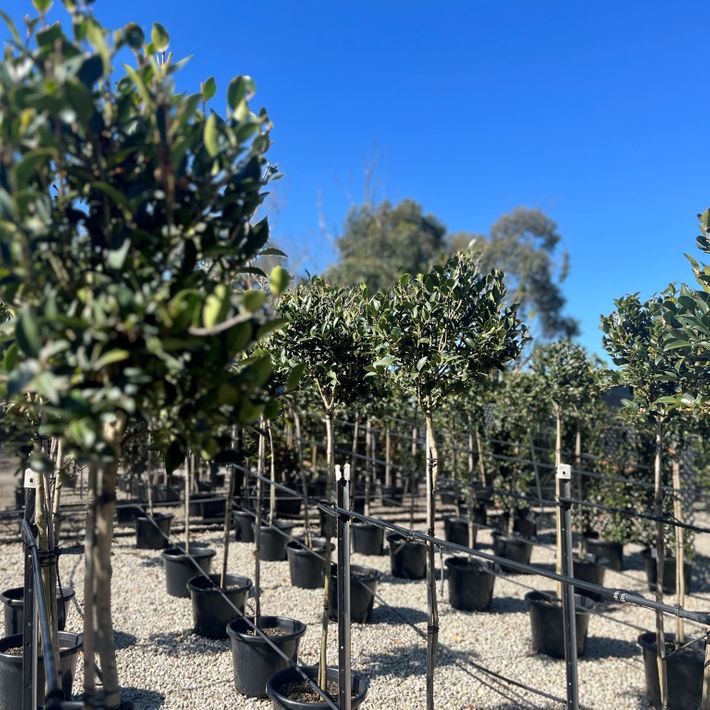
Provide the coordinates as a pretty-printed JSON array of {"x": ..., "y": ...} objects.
[
  {"x": 30, "y": 478},
  {"x": 564, "y": 472}
]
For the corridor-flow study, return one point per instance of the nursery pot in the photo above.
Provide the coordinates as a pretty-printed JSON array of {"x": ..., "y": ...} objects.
[
  {"x": 254, "y": 660},
  {"x": 525, "y": 525},
  {"x": 684, "y": 672},
  {"x": 546, "y": 622},
  {"x": 512, "y": 548},
  {"x": 306, "y": 565},
  {"x": 669, "y": 582},
  {"x": 180, "y": 569},
  {"x": 456, "y": 530},
  {"x": 286, "y": 689},
  {"x": 148, "y": 531},
  {"x": 407, "y": 559},
  {"x": 392, "y": 495},
  {"x": 328, "y": 523},
  {"x": 273, "y": 540},
  {"x": 363, "y": 585},
  {"x": 243, "y": 526},
  {"x": 590, "y": 568},
  {"x": 14, "y": 603},
  {"x": 449, "y": 496},
  {"x": 211, "y": 612},
  {"x": 287, "y": 505},
  {"x": 367, "y": 539},
  {"x": 207, "y": 505},
  {"x": 612, "y": 551},
  {"x": 470, "y": 583},
  {"x": 127, "y": 511},
  {"x": 70, "y": 645}
]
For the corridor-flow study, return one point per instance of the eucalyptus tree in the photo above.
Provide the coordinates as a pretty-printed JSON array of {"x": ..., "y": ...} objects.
[
  {"x": 635, "y": 336},
  {"x": 113, "y": 192},
  {"x": 326, "y": 339},
  {"x": 435, "y": 334}
]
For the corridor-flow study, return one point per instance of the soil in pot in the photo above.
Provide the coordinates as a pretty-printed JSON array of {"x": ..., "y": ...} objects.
[
  {"x": 180, "y": 569},
  {"x": 456, "y": 530},
  {"x": 363, "y": 586},
  {"x": 288, "y": 691},
  {"x": 546, "y": 622},
  {"x": 590, "y": 568},
  {"x": 684, "y": 671},
  {"x": 407, "y": 559},
  {"x": 211, "y": 612},
  {"x": 612, "y": 551},
  {"x": 70, "y": 646},
  {"x": 306, "y": 565},
  {"x": 254, "y": 660},
  {"x": 517, "y": 549},
  {"x": 367, "y": 539},
  {"x": 152, "y": 533},
  {"x": 470, "y": 583},
  {"x": 669, "y": 581},
  {"x": 14, "y": 604},
  {"x": 273, "y": 540},
  {"x": 243, "y": 526}
]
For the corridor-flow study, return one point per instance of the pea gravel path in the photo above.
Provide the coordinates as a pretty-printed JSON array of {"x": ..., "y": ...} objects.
[{"x": 162, "y": 664}]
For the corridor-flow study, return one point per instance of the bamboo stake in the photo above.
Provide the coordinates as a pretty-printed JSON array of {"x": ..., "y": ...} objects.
[
  {"x": 660, "y": 562},
  {"x": 679, "y": 552},
  {"x": 433, "y": 614},
  {"x": 260, "y": 463},
  {"x": 89, "y": 630}
]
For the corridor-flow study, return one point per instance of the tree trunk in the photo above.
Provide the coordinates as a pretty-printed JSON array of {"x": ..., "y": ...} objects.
[
  {"x": 533, "y": 458},
  {"x": 558, "y": 515},
  {"x": 105, "y": 511},
  {"x": 260, "y": 463},
  {"x": 679, "y": 551},
  {"x": 368, "y": 464},
  {"x": 433, "y": 629},
  {"x": 481, "y": 460},
  {"x": 272, "y": 475},
  {"x": 304, "y": 487},
  {"x": 353, "y": 456},
  {"x": 189, "y": 475},
  {"x": 388, "y": 456},
  {"x": 660, "y": 561},
  {"x": 227, "y": 525},
  {"x": 90, "y": 593},
  {"x": 579, "y": 479}
]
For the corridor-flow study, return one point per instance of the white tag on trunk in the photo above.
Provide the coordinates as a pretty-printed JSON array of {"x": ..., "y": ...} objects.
[
  {"x": 30, "y": 478},
  {"x": 564, "y": 472}
]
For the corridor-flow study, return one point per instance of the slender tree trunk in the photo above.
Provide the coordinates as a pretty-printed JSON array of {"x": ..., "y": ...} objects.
[
  {"x": 260, "y": 464},
  {"x": 353, "y": 456},
  {"x": 189, "y": 464},
  {"x": 330, "y": 461},
  {"x": 388, "y": 456},
  {"x": 368, "y": 464},
  {"x": 433, "y": 630},
  {"x": 578, "y": 478},
  {"x": 679, "y": 551},
  {"x": 90, "y": 592},
  {"x": 481, "y": 459},
  {"x": 227, "y": 525},
  {"x": 414, "y": 477},
  {"x": 558, "y": 515},
  {"x": 272, "y": 475},
  {"x": 470, "y": 446},
  {"x": 105, "y": 512},
  {"x": 304, "y": 486},
  {"x": 660, "y": 561}
]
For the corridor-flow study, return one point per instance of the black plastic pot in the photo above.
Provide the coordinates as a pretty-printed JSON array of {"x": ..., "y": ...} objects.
[
  {"x": 612, "y": 551},
  {"x": 328, "y": 524},
  {"x": 367, "y": 539},
  {"x": 148, "y": 531},
  {"x": 407, "y": 559},
  {"x": 287, "y": 506},
  {"x": 14, "y": 604},
  {"x": 70, "y": 645},
  {"x": 278, "y": 684},
  {"x": 684, "y": 671},
  {"x": 180, "y": 569},
  {"x": 273, "y": 540},
  {"x": 546, "y": 622},
  {"x": 448, "y": 496},
  {"x": 512, "y": 548},
  {"x": 306, "y": 565},
  {"x": 669, "y": 571},
  {"x": 590, "y": 569},
  {"x": 363, "y": 586},
  {"x": 392, "y": 495},
  {"x": 470, "y": 583},
  {"x": 254, "y": 660},
  {"x": 525, "y": 525},
  {"x": 207, "y": 505},
  {"x": 456, "y": 530},
  {"x": 127, "y": 511},
  {"x": 243, "y": 526},
  {"x": 210, "y": 610},
  {"x": 316, "y": 487}
]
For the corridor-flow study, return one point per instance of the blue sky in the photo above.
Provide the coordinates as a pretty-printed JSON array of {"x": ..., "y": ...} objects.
[{"x": 595, "y": 112}]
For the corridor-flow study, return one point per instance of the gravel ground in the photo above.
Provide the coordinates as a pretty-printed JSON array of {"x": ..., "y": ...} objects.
[{"x": 162, "y": 664}]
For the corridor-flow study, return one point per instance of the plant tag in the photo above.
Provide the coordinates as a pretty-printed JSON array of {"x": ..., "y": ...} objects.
[
  {"x": 564, "y": 472},
  {"x": 338, "y": 472},
  {"x": 346, "y": 472},
  {"x": 654, "y": 553},
  {"x": 30, "y": 478}
]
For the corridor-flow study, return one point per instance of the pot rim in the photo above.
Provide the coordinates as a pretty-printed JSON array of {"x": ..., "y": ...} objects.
[
  {"x": 268, "y": 622},
  {"x": 358, "y": 572},
  {"x": 75, "y": 643},
  {"x": 155, "y": 516},
  {"x": 176, "y": 553},
  {"x": 312, "y": 672},
  {"x": 242, "y": 584},
  {"x": 65, "y": 593}
]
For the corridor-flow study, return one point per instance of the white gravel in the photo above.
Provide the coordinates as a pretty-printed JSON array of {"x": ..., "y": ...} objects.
[{"x": 162, "y": 664}]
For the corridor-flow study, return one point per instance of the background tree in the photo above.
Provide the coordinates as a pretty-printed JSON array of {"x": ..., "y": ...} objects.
[
  {"x": 112, "y": 196},
  {"x": 435, "y": 334},
  {"x": 524, "y": 245},
  {"x": 381, "y": 242}
]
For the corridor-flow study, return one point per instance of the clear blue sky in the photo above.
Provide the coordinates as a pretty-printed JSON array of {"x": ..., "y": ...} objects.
[{"x": 596, "y": 112}]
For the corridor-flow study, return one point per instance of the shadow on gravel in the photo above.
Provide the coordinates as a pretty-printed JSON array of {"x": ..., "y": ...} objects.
[
  {"x": 172, "y": 643},
  {"x": 604, "y": 647},
  {"x": 701, "y": 574},
  {"x": 507, "y": 605},
  {"x": 124, "y": 640},
  {"x": 404, "y": 661},
  {"x": 152, "y": 562},
  {"x": 143, "y": 699},
  {"x": 391, "y": 615}
]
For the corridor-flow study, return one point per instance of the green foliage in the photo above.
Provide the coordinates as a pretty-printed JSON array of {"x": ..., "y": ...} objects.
[
  {"x": 438, "y": 332},
  {"x": 380, "y": 243},
  {"x": 523, "y": 244},
  {"x": 113, "y": 196}
]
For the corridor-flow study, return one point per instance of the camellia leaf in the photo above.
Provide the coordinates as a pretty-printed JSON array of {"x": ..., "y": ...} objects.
[
  {"x": 43, "y": 5},
  {"x": 27, "y": 333},
  {"x": 278, "y": 280},
  {"x": 254, "y": 300},
  {"x": 208, "y": 88},
  {"x": 159, "y": 37},
  {"x": 210, "y": 136},
  {"x": 240, "y": 88}
]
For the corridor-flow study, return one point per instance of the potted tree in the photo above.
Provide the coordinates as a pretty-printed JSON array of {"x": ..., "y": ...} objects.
[{"x": 436, "y": 333}]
